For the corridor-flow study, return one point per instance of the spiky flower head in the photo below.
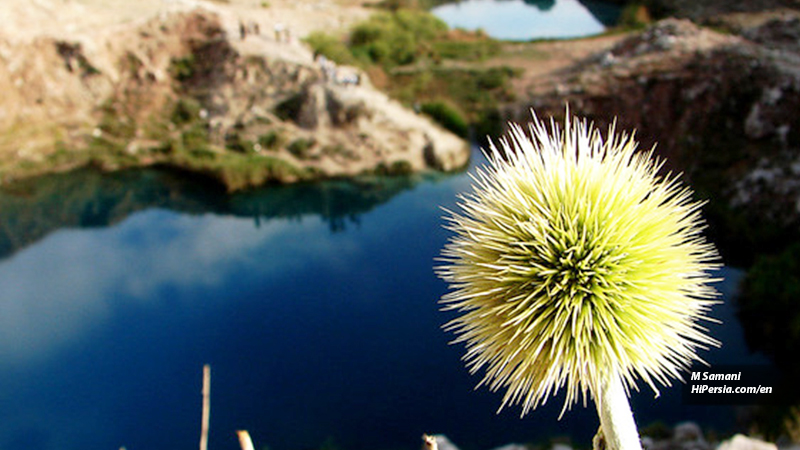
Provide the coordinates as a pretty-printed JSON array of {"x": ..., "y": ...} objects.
[{"x": 573, "y": 261}]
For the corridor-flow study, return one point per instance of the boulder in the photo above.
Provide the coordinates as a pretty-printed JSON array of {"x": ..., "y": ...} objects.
[{"x": 741, "y": 442}]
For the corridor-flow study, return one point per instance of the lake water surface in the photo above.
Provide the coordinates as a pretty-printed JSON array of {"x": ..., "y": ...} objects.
[
  {"x": 523, "y": 20},
  {"x": 316, "y": 307}
]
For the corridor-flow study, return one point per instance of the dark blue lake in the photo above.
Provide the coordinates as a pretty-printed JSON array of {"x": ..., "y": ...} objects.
[
  {"x": 524, "y": 20},
  {"x": 316, "y": 307}
]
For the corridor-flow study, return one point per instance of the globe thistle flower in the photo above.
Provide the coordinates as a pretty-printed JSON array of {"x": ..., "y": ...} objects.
[{"x": 575, "y": 265}]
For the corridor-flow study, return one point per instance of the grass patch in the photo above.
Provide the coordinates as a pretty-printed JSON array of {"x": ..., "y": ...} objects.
[
  {"x": 237, "y": 171},
  {"x": 396, "y": 168},
  {"x": 301, "y": 147},
  {"x": 331, "y": 47},
  {"x": 403, "y": 50},
  {"x": 272, "y": 140},
  {"x": 447, "y": 116},
  {"x": 468, "y": 89},
  {"x": 471, "y": 50},
  {"x": 634, "y": 16},
  {"x": 397, "y": 38},
  {"x": 182, "y": 69}
]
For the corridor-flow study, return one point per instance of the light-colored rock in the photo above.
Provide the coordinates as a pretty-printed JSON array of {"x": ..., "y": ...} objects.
[
  {"x": 66, "y": 90},
  {"x": 444, "y": 443},
  {"x": 687, "y": 432},
  {"x": 516, "y": 447},
  {"x": 741, "y": 442}
]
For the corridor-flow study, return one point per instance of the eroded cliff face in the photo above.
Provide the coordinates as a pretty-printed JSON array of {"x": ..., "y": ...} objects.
[
  {"x": 188, "y": 89},
  {"x": 701, "y": 11},
  {"x": 722, "y": 108}
]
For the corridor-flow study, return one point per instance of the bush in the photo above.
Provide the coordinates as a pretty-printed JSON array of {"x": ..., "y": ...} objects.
[
  {"x": 300, "y": 147},
  {"x": 633, "y": 16},
  {"x": 423, "y": 25},
  {"x": 182, "y": 69},
  {"x": 272, "y": 140},
  {"x": 447, "y": 116},
  {"x": 394, "y": 169},
  {"x": 195, "y": 138},
  {"x": 186, "y": 110},
  {"x": 392, "y": 39},
  {"x": 331, "y": 47},
  {"x": 235, "y": 142}
]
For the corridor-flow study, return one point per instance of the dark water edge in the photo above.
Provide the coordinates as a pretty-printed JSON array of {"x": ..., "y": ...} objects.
[
  {"x": 531, "y": 19},
  {"x": 314, "y": 304},
  {"x": 88, "y": 198}
]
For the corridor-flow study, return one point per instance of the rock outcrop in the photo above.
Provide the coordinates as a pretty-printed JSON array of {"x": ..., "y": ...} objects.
[
  {"x": 721, "y": 106},
  {"x": 189, "y": 89},
  {"x": 684, "y": 436}
]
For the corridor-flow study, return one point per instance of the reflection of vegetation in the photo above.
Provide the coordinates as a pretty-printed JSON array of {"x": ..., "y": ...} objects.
[
  {"x": 541, "y": 5},
  {"x": 769, "y": 310},
  {"x": 604, "y": 11},
  {"x": 33, "y": 208}
]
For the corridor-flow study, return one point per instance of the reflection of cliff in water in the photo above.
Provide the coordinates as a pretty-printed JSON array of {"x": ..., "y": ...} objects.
[
  {"x": 541, "y": 5},
  {"x": 31, "y": 209},
  {"x": 605, "y": 13}
]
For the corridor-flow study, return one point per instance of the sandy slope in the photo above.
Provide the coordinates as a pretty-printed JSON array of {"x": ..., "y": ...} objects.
[{"x": 23, "y": 20}]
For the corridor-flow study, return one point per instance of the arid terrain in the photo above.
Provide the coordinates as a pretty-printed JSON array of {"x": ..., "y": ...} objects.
[{"x": 100, "y": 75}]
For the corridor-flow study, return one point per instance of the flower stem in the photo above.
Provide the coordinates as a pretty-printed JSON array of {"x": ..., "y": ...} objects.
[{"x": 616, "y": 419}]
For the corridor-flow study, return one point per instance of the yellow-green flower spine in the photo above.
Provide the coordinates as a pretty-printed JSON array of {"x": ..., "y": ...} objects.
[{"x": 573, "y": 260}]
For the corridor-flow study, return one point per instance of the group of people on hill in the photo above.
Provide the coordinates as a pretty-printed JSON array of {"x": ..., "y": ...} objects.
[
  {"x": 332, "y": 73},
  {"x": 251, "y": 27}
]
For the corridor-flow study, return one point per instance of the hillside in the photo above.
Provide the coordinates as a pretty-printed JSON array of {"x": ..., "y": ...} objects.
[{"x": 209, "y": 87}]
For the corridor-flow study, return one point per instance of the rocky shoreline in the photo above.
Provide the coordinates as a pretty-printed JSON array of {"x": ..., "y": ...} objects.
[
  {"x": 684, "y": 436},
  {"x": 720, "y": 104},
  {"x": 188, "y": 89}
]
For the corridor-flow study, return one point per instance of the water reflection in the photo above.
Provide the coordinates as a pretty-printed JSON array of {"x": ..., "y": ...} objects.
[
  {"x": 541, "y": 5},
  {"x": 312, "y": 336},
  {"x": 530, "y": 19},
  {"x": 31, "y": 209}
]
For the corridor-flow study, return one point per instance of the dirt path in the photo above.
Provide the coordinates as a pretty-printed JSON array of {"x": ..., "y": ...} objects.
[
  {"x": 24, "y": 20},
  {"x": 542, "y": 62}
]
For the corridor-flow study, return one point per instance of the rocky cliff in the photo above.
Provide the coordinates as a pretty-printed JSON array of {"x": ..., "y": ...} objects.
[
  {"x": 200, "y": 89},
  {"x": 722, "y": 107}
]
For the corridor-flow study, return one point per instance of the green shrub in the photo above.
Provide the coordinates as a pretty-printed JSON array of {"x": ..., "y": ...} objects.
[
  {"x": 186, "y": 110},
  {"x": 494, "y": 77},
  {"x": 447, "y": 116},
  {"x": 235, "y": 142},
  {"x": 397, "y": 38},
  {"x": 633, "y": 16},
  {"x": 300, "y": 147},
  {"x": 182, "y": 69},
  {"x": 425, "y": 26},
  {"x": 195, "y": 137},
  {"x": 330, "y": 46},
  {"x": 394, "y": 169},
  {"x": 271, "y": 140}
]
